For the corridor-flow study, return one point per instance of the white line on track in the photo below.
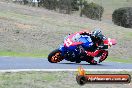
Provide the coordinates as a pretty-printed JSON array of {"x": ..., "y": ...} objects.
[{"x": 55, "y": 70}]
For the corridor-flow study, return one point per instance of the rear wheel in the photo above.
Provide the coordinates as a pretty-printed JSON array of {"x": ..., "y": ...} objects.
[{"x": 55, "y": 56}]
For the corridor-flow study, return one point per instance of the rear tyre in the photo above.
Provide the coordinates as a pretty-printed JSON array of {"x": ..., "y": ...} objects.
[{"x": 55, "y": 56}]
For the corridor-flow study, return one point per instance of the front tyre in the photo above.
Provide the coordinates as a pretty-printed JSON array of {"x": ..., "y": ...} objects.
[{"x": 55, "y": 56}]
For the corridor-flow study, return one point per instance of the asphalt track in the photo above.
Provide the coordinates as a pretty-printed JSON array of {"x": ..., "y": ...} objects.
[{"x": 42, "y": 63}]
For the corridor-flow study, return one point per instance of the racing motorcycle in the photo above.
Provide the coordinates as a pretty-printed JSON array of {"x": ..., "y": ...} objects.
[{"x": 72, "y": 50}]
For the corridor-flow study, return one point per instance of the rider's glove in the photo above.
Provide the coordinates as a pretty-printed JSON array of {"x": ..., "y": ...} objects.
[{"x": 102, "y": 47}]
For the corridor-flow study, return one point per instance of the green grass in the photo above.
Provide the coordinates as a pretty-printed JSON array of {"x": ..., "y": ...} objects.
[
  {"x": 128, "y": 35},
  {"x": 114, "y": 59},
  {"x": 20, "y": 54},
  {"x": 51, "y": 80},
  {"x": 28, "y": 79},
  {"x": 11, "y": 15}
]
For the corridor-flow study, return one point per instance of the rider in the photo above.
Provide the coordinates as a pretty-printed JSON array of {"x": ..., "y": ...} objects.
[{"x": 97, "y": 38}]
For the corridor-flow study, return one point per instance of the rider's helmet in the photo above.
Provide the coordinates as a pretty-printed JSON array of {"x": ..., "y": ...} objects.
[{"x": 97, "y": 34}]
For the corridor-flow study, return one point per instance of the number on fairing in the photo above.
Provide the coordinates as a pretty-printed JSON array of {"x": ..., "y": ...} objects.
[{"x": 68, "y": 42}]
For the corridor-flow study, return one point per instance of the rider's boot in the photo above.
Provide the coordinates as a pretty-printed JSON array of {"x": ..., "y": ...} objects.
[
  {"x": 94, "y": 54},
  {"x": 97, "y": 59}
]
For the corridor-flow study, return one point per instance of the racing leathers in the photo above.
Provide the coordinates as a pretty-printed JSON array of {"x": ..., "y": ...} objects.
[{"x": 94, "y": 50}]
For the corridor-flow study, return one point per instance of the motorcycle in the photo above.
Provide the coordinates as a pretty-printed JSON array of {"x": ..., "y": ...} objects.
[{"x": 72, "y": 50}]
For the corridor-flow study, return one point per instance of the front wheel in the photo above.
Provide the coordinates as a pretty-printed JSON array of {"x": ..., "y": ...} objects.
[{"x": 55, "y": 56}]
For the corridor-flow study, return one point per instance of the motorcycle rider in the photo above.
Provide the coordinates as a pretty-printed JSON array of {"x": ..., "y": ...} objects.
[{"x": 97, "y": 38}]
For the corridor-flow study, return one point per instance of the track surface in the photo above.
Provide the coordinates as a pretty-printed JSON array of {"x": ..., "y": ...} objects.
[{"x": 41, "y": 63}]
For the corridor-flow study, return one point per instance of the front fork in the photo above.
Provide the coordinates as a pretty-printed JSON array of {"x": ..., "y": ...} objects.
[{"x": 62, "y": 49}]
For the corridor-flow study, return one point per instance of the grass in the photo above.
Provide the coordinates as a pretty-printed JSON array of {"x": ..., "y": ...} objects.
[
  {"x": 114, "y": 59},
  {"x": 20, "y": 54},
  {"x": 12, "y": 15},
  {"x": 51, "y": 80},
  {"x": 28, "y": 79},
  {"x": 128, "y": 35}
]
